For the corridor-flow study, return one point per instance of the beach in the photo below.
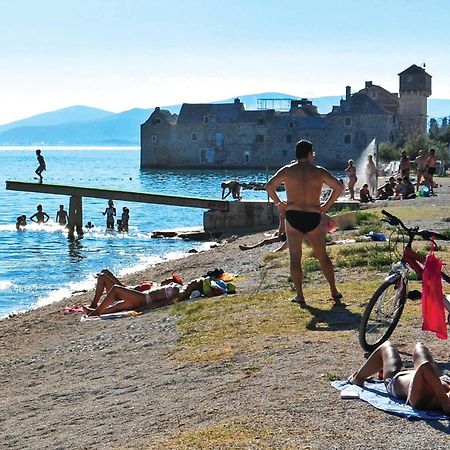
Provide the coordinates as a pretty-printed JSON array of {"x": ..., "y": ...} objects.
[{"x": 246, "y": 371}]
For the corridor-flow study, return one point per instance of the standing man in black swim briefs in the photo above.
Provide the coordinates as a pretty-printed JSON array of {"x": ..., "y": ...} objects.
[{"x": 303, "y": 181}]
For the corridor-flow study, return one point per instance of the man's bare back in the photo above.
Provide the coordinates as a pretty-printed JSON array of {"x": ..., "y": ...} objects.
[{"x": 302, "y": 211}]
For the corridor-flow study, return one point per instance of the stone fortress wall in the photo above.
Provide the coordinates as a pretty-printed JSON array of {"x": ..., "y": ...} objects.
[{"x": 228, "y": 136}]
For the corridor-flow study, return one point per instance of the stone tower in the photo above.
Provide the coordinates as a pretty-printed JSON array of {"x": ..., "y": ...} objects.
[{"x": 415, "y": 88}]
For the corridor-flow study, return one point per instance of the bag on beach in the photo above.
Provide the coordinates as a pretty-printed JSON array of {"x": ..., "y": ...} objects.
[{"x": 433, "y": 310}]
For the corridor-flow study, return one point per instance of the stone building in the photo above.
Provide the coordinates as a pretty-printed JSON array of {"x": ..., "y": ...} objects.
[{"x": 228, "y": 136}]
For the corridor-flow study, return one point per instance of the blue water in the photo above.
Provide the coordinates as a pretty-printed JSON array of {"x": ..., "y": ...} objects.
[{"x": 39, "y": 264}]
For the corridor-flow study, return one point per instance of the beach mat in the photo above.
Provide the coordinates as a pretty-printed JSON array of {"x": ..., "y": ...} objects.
[
  {"x": 375, "y": 394},
  {"x": 117, "y": 315}
]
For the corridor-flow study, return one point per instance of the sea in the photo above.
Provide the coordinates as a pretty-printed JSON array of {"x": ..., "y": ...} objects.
[{"x": 40, "y": 265}]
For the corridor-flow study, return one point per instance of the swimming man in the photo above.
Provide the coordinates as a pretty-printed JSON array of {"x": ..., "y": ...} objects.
[{"x": 303, "y": 181}]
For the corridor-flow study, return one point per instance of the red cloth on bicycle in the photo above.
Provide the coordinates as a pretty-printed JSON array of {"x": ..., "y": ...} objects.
[{"x": 433, "y": 310}]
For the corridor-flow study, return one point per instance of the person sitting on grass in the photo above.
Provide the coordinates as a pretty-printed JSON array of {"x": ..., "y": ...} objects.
[
  {"x": 279, "y": 236},
  {"x": 409, "y": 191},
  {"x": 364, "y": 194},
  {"x": 120, "y": 298},
  {"x": 421, "y": 387}
]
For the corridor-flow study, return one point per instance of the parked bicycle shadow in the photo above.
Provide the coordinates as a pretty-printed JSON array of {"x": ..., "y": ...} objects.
[{"x": 338, "y": 318}]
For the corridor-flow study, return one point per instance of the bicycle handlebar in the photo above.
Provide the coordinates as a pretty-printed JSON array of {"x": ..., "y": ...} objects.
[{"x": 425, "y": 234}]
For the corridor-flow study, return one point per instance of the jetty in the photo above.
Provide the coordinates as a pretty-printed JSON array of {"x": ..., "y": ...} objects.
[{"x": 220, "y": 215}]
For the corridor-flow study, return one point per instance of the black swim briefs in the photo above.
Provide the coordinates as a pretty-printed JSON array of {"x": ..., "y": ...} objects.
[{"x": 303, "y": 221}]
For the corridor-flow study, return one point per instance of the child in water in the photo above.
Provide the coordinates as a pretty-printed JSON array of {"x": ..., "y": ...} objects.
[
  {"x": 61, "y": 216},
  {"x": 125, "y": 218},
  {"x": 110, "y": 212},
  {"x": 21, "y": 222}
]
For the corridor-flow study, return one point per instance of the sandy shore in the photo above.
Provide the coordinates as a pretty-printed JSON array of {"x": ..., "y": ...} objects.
[{"x": 110, "y": 384}]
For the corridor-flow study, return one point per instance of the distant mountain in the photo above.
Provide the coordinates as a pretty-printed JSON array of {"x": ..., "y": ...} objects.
[
  {"x": 83, "y": 125},
  {"x": 77, "y": 113}
]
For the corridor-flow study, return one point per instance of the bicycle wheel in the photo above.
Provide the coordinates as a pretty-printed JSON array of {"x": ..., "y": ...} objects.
[{"x": 382, "y": 314}]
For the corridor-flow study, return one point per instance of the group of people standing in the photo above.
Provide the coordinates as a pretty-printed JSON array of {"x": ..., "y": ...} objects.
[
  {"x": 399, "y": 187},
  {"x": 110, "y": 212},
  {"x": 62, "y": 218}
]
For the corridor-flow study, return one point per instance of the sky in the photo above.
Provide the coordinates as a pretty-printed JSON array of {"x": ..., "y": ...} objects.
[{"x": 123, "y": 54}]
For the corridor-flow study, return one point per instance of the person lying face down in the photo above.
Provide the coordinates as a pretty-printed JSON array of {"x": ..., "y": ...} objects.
[{"x": 422, "y": 387}]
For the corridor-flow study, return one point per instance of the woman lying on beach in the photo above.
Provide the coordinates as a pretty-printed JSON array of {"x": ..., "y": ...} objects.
[
  {"x": 422, "y": 387},
  {"x": 121, "y": 298}
]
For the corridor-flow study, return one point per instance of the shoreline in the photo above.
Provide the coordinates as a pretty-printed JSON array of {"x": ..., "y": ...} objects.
[{"x": 87, "y": 284}]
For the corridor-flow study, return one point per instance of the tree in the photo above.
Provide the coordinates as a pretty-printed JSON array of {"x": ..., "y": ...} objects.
[{"x": 388, "y": 151}]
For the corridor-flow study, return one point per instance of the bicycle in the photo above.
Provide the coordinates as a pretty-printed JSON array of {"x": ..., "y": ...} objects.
[{"x": 384, "y": 309}]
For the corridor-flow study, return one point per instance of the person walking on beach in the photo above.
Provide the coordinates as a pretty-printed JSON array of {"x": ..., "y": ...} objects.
[
  {"x": 40, "y": 216},
  {"x": 62, "y": 217},
  {"x": 351, "y": 173},
  {"x": 303, "y": 181},
  {"x": 421, "y": 167},
  {"x": 110, "y": 212},
  {"x": 372, "y": 176},
  {"x": 41, "y": 167}
]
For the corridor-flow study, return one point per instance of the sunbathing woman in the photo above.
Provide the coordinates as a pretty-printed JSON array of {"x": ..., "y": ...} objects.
[
  {"x": 421, "y": 387},
  {"x": 120, "y": 298},
  {"x": 106, "y": 280}
]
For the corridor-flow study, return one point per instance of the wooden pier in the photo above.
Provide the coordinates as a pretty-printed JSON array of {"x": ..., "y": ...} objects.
[
  {"x": 220, "y": 215},
  {"x": 77, "y": 193}
]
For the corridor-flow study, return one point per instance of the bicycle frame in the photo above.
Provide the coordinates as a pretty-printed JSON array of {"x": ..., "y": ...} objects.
[{"x": 416, "y": 261}]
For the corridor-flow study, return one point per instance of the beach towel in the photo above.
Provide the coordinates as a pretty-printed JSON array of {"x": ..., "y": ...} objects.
[
  {"x": 117, "y": 315},
  {"x": 375, "y": 394},
  {"x": 433, "y": 310}
]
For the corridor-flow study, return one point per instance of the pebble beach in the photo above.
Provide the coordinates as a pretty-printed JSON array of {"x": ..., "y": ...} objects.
[{"x": 109, "y": 384}]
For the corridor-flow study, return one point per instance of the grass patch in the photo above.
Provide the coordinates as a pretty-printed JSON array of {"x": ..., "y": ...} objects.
[
  {"x": 376, "y": 256},
  {"x": 237, "y": 433},
  {"x": 216, "y": 329},
  {"x": 365, "y": 218}
]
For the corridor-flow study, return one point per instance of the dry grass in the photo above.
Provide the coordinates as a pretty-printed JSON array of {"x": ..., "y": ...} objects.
[
  {"x": 216, "y": 329},
  {"x": 232, "y": 434}
]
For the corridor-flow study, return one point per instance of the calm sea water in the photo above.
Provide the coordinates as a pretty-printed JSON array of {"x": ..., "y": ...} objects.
[{"x": 39, "y": 264}]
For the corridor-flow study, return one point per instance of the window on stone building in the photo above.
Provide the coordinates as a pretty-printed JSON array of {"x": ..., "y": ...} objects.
[
  {"x": 247, "y": 157},
  {"x": 155, "y": 121},
  {"x": 154, "y": 138},
  {"x": 259, "y": 138},
  {"x": 205, "y": 119},
  {"x": 260, "y": 122},
  {"x": 291, "y": 124},
  {"x": 374, "y": 94},
  {"x": 289, "y": 139},
  {"x": 348, "y": 121},
  {"x": 284, "y": 153},
  {"x": 393, "y": 119},
  {"x": 347, "y": 139},
  {"x": 194, "y": 137}
]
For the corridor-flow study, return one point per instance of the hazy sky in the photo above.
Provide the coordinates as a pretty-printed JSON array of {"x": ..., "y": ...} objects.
[{"x": 120, "y": 54}]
